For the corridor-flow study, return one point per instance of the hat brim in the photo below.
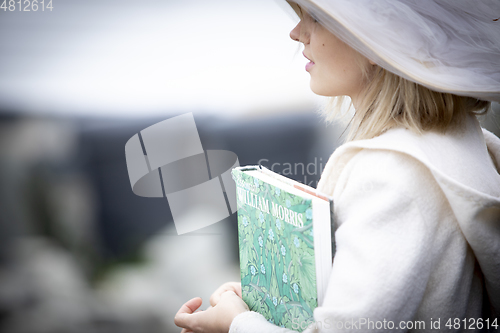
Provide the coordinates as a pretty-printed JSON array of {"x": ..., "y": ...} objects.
[{"x": 357, "y": 23}]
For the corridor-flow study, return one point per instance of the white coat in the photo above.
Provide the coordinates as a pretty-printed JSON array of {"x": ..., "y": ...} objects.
[{"x": 418, "y": 234}]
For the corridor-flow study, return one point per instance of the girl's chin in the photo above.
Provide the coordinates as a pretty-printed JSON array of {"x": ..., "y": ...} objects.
[{"x": 322, "y": 91}]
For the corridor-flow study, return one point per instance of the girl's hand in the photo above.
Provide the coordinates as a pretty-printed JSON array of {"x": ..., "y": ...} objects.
[
  {"x": 215, "y": 319},
  {"x": 231, "y": 286}
]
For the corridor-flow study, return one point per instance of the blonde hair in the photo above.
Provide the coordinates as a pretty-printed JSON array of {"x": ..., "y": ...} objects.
[{"x": 390, "y": 101}]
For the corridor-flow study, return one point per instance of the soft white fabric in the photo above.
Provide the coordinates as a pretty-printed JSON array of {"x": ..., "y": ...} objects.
[{"x": 418, "y": 226}]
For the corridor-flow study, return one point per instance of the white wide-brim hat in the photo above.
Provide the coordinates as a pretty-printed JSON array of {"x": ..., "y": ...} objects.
[{"x": 449, "y": 46}]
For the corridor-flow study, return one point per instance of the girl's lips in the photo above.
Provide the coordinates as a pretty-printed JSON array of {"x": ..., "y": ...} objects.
[{"x": 310, "y": 64}]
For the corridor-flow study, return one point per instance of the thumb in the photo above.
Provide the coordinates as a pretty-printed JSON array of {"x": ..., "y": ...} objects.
[{"x": 182, "y": 317}]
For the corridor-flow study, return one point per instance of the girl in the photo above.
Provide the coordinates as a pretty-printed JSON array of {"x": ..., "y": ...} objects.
[{"x": 417, "y": 186}]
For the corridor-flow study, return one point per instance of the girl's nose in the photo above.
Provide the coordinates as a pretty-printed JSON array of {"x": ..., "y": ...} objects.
[{"x": 295, "y": 33}]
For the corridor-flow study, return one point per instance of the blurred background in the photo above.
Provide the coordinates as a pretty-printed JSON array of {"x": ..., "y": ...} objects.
[{"x": 79, "y": 252}]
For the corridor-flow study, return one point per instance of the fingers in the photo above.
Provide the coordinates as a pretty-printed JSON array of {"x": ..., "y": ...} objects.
[
  {"x": 215, "y": 297},
  {"x": 182, "y": 317},
  {"x": 228, "y": 293},
  {"x": 232, "y": 286},
  {"x": 238, "y": 304},
  {"x": 237, "y": 288},
  {"x": 214, "y": 319}
]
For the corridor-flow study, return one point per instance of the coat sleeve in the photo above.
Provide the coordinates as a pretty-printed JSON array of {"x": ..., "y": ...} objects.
[{"x": 387, "y": 207}]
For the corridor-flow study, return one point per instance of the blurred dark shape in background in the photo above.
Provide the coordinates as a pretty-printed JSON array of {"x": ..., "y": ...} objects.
[{"x": 76, "y": 243}]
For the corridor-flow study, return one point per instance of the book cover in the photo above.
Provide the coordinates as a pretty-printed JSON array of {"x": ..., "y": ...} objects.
[{"x": 278, "y": 264}]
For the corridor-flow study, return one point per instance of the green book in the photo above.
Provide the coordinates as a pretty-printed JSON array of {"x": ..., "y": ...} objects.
[{"x": 286, "y": 245}]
